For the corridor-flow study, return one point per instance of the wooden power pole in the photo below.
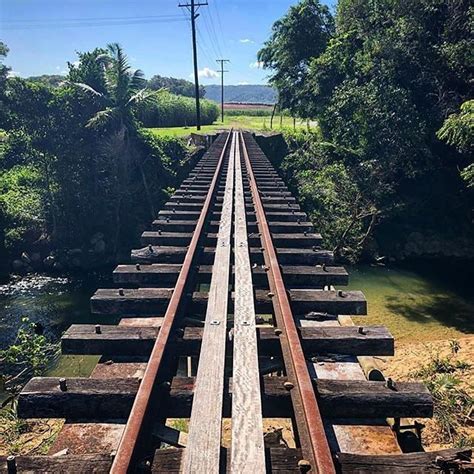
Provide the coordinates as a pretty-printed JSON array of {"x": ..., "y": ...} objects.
[
  {"x": 193, "y": 7},
  {"x": 222, "y": 71}
]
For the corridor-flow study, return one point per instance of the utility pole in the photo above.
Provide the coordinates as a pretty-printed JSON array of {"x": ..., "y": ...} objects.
[
  {"x": 193, "y": 7},
  {"x": 222, "y": 71}
]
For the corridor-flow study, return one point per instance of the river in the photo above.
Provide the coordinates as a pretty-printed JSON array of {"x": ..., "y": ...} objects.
[{"x": 417, "y": 302}]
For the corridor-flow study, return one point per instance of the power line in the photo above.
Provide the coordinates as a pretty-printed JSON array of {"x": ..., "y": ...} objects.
[
  {"x": 48, "y": 20},
  {"x": 101, "y": 23},
  {"x": 212, "y": 35},
  {"x": 219, "y": 23}
]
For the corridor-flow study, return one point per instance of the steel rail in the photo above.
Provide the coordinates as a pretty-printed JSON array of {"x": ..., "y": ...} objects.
[
  {"x": 128, "y": 442},
  {"x": 316, "y": 447}
]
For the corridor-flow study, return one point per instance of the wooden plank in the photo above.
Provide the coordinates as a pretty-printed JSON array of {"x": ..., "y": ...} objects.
[
  {"x": 110, "y": 340},
  {"x": 90, "y": 463},
  {"x": 204, "y": 441},
  {"x": 103, "y": 399},
  {"x": 363, "y": 437},
  {"x": 446, "y": 460},
  {"x": 171, "y": 436},
  {"x": 169, "y": 254},
  {"x": 295, "y": 276},
  {"x": 153, "y": 301},
  {"x": 123, "y": 340},
  {"x": 83, "y": 398},
  {"x": 177, "y": 239},
  {"x": 247, "y": 425},
  {"x": 280, "y": 460}
]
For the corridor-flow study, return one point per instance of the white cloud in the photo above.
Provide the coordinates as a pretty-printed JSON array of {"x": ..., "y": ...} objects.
[
  {"x": 13, "y": 73},
  {"x": 207, "y": 73},
  {"x": 246, "y": 41},
  {"x": 58, "y": 68},
  {"x": 256, "y": 65},
  {"x": 243, "y": 83}
]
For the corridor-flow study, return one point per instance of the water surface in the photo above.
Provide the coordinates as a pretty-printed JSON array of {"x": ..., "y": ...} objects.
[{"x": 418, "y": 302}]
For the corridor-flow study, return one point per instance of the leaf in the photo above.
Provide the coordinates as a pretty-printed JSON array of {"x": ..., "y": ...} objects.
[
  {"x": 86, "y": 88},
  {"x": 103, "y": 117}
]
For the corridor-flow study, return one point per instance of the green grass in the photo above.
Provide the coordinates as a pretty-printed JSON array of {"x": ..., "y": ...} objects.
[{"x": 242, "y": 121}]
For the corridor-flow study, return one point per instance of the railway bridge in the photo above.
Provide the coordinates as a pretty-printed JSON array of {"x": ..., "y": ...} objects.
[{"x": 227, "y": 345}]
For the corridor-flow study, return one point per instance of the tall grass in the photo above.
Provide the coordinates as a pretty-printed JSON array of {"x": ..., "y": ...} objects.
[{"x": 170, "y": 110}]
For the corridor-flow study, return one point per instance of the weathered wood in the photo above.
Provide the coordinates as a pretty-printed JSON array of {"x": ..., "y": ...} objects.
[
  {"x": 131, "y": 341},
  {"x": 178, "y": 239},
  {"x": 247, "y": 425},
  {"x": 295, "y": 276},
  {"x": 355, "y": 399},
  {"x": 84, "y": 398},
  {"x": 367, "y": 437},
  {"x": 153, "y": 301},
  {"x": 446, "y": 460},
  {"x": 171, "y": 436},
  {"x": 84, "y": 463},
  {"x": 279, "y": 460},
  {"x": 158, "y": 254},
  {"x": 111, "y": 340},
  {"x": 204, "y": 440},
  {"x": 103, "y": 399},
  {"x": 149, "y": 274}
]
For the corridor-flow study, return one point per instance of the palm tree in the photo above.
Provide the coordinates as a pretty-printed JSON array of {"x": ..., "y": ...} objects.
[{"x": 124, "y": 90}]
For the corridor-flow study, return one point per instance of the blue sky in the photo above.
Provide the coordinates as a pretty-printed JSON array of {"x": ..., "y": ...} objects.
[{"x": 44, "y": 35}]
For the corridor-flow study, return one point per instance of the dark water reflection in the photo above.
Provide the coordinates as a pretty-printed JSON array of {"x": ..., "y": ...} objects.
[{"x": 55, "y": 302}]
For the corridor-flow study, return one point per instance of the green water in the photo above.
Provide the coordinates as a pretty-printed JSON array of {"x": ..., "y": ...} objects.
[{"x": 418, "y": 302}]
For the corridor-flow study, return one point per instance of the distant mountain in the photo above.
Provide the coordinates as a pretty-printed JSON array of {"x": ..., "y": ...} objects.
[{"x": 250, "y": 94}]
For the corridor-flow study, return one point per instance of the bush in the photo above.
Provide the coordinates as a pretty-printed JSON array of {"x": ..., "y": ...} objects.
[
  {"x": 21, "y": 201},
  {"x": 169, "y": 110}
]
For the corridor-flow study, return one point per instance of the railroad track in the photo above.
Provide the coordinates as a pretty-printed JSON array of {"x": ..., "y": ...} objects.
[{"x": 230, "y": 311}]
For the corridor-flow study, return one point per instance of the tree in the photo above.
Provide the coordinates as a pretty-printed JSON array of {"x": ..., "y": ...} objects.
[
  {"x": 302, "y": 34},
  {"x": 175, "y": 86},
  {"x": 4, "y": 70},
  {"x": 458, "y": 131},
  {"x": 381, "y": 84},
  {"x": 120, "y": 90},
  {"x": 51, "y": 80}
]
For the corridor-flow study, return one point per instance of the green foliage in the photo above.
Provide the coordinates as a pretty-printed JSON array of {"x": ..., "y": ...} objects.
[
  {"x": 458, "y": 131},
  {"x": 257, "y": 112},
  {"x": 380, "y": 85},
  {"x": 452, "y": 403},
  {"x": 299, "y": 36},
  {"x": 21, "y": 202},
  {"x": 29, "y": 354},
  {"x": 321, "y": 175},
  {"x": 50, "y": 80},
  {"x": 169, "y": 110},
  {"x": 174, "y": 86},
  {"x": 73, "y": 160}
]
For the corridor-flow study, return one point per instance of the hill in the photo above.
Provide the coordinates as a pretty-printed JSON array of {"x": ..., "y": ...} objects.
[{"x": 251, "y": 93}]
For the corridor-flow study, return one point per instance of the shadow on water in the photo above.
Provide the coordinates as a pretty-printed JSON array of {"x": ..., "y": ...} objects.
[
  {"x": 420, "y": 300},
  {"x": 447, "y": 311}
]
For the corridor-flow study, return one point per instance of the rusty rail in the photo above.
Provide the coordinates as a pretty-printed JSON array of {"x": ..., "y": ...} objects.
[
  {"x": 135, "y": 421},
  {"x": 314, "y": 444}
]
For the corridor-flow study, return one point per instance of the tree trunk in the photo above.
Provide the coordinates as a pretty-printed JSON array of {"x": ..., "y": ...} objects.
[
  {"x": 273, "y": 115},
  {"x": 147, "y": 189}
]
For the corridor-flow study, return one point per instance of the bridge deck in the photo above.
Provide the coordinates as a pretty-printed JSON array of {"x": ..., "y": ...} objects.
[{"x": 230, "y": 312}]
